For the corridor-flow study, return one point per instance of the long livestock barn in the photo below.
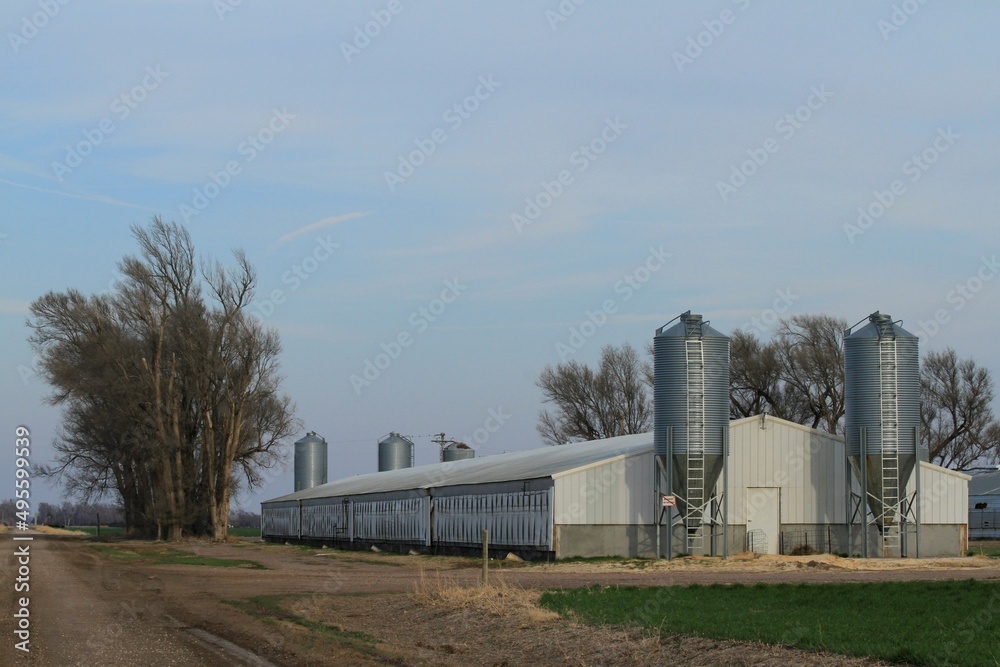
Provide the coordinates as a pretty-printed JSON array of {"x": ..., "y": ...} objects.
[{"x": 788, "y": 491}]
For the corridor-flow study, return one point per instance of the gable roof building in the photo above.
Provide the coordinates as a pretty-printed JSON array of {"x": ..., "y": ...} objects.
[{"x": 788, "y": 488}]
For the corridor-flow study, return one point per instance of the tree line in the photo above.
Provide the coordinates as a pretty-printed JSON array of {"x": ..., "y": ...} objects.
[
  {"x": 69, "y": 513},
  {"x": 170, "y": 389},
  {"x": 797, "y": 375}
]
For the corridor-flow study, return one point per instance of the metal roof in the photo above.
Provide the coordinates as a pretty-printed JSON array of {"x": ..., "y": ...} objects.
[
  {"x": 514, "y": 466},
  {"x": 541, "y": 463},
  {"x": 987, "y": 484}
]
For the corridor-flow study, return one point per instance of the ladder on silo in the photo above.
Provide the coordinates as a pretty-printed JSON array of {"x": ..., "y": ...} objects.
[
  {"x": 695, "y": 358},
  {"x": 891, "y": 493}
]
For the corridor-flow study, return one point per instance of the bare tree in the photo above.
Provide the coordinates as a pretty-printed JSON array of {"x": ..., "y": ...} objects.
[
  {"x": 754, "y": 377},
  {"x": 169, "y": 396},
  {"x": 957, "y": 425},
  {"x": 798, "y": 375},
  {"x": 811, "y": 358},
  {"x": 591, "y": 404}
]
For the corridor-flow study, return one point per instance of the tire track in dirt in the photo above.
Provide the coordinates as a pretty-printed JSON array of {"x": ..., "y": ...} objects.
[{"x": 83, "y": 613}]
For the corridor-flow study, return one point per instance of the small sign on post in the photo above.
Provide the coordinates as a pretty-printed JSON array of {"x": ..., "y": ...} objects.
[{"x": 669, "y": 501}]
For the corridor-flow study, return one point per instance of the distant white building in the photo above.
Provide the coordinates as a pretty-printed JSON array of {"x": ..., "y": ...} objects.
[
  {"x": 984, "y": 506},
  {"x": 788, "y": 490}
]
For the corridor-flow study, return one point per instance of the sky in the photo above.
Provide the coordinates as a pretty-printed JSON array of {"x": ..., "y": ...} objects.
[{"x": 441, "y": 199}]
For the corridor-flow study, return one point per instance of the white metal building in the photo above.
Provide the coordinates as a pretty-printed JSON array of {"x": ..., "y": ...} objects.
[
  {"x": 984, "y": 506},
  {"x": 787, "y": 491}
]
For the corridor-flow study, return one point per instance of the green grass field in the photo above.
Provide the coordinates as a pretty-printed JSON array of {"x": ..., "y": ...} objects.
[
  {"x": 116, "y": 531},
  {"x": 923, "y": 623},
  {"x": 991, "y": 549},
  {"x": 157, "y": 555}
]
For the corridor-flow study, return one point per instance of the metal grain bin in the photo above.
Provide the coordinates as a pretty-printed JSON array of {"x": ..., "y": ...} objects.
[
  {"x": 457, "y": 451},
  {"x": 882, "y": 405},
  {"x": 691, "y": 407},
  {"x": 394, "y": 452},
  {"x": 310, "y": 461}
]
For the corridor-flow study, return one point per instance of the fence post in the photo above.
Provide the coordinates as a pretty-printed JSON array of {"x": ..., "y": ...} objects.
[{"x": 486, "y": 557}]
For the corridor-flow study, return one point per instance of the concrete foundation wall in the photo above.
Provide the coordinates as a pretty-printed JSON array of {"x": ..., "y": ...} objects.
[
  {"x": 590, "y": 541},
  {"x": 631, "y": 541}
]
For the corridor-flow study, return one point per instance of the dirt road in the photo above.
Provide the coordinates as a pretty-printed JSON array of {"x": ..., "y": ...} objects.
[
  {"x": 82, "y": 612},
  {"x": 326, "y": 607}
]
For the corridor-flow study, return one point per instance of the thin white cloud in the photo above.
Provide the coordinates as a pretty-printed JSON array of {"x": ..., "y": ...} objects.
[
  {"x": 325, "y": 222},
  {"x": 98, "y": 198}
]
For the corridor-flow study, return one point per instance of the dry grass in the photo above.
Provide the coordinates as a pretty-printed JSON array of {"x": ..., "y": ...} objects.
[
  {"x": 747, "y": 562},
  {"x": 49, "y": 530},
  {"x": 499, "y": 598}
]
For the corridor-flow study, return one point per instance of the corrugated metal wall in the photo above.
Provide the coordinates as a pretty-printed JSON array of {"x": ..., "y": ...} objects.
[
  {"x": 399, "y": 520},
  {"x": 618, "y": 491},
  {"x": 809, "y": 467},
  {"x": 521, "y": 519},
  {"x": 513, "y": 519},
  {"x": 944, "y": 495},
  {"x": 326, "y": 519},
  {"x": 280, "y": 519}
]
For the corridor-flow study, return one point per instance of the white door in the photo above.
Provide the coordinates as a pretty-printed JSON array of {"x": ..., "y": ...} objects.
[{"x": 763, "y": 519}]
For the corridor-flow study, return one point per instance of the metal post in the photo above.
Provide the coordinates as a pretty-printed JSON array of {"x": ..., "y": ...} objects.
[
  {"x": 713, "y": 505},
  {"x": 429, "y": 507},
  {"x": 486, "y": 557},
  {"x": 916, "y": 495},
  {"x": 725, "y": 492},
  {"x": 850, "y": 496},
  {"x": 864, "y": 492},
  {"x": 670, "y": 490},
  {"x": 657, "y": 503},
  {"x": 350, "y": 521}
]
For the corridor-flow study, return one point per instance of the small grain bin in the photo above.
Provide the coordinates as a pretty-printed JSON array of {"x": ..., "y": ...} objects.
[
  {"x": 394, "y": 452},
  {"x": 457, "y": 451},
  {"x": 310, "y": 461}
]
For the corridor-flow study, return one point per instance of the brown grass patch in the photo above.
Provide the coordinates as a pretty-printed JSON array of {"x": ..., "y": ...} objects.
[
  {"x": 499, "y": 598},
  {"x": 49, "y": 530}
]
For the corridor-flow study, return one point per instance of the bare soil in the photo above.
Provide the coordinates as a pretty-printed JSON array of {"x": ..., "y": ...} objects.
[{"x": 360, "y": 608}]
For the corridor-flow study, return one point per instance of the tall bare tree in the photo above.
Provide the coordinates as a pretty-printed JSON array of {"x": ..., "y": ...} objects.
[
  {"x": 798, "y": 375},
  {"x": 754, "y": 377},
  {"x": 170, "y": 397},
  {"x": 958, "y": 429},
  {"x": 811, "y": 359},
  {"x": 592, "y": 404}
]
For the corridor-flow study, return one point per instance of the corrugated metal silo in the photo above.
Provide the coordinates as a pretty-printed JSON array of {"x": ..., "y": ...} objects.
[
  {"x": 882, "y": 415},
  {"x": 457, "y": 451},
  {"x": 691, "y": 412},
  {"x": 310, "y": 461},
  {"x": 394, "y": 452}
]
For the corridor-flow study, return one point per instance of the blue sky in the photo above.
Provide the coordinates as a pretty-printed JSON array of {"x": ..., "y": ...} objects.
[{"x": 482, "y": 179}]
